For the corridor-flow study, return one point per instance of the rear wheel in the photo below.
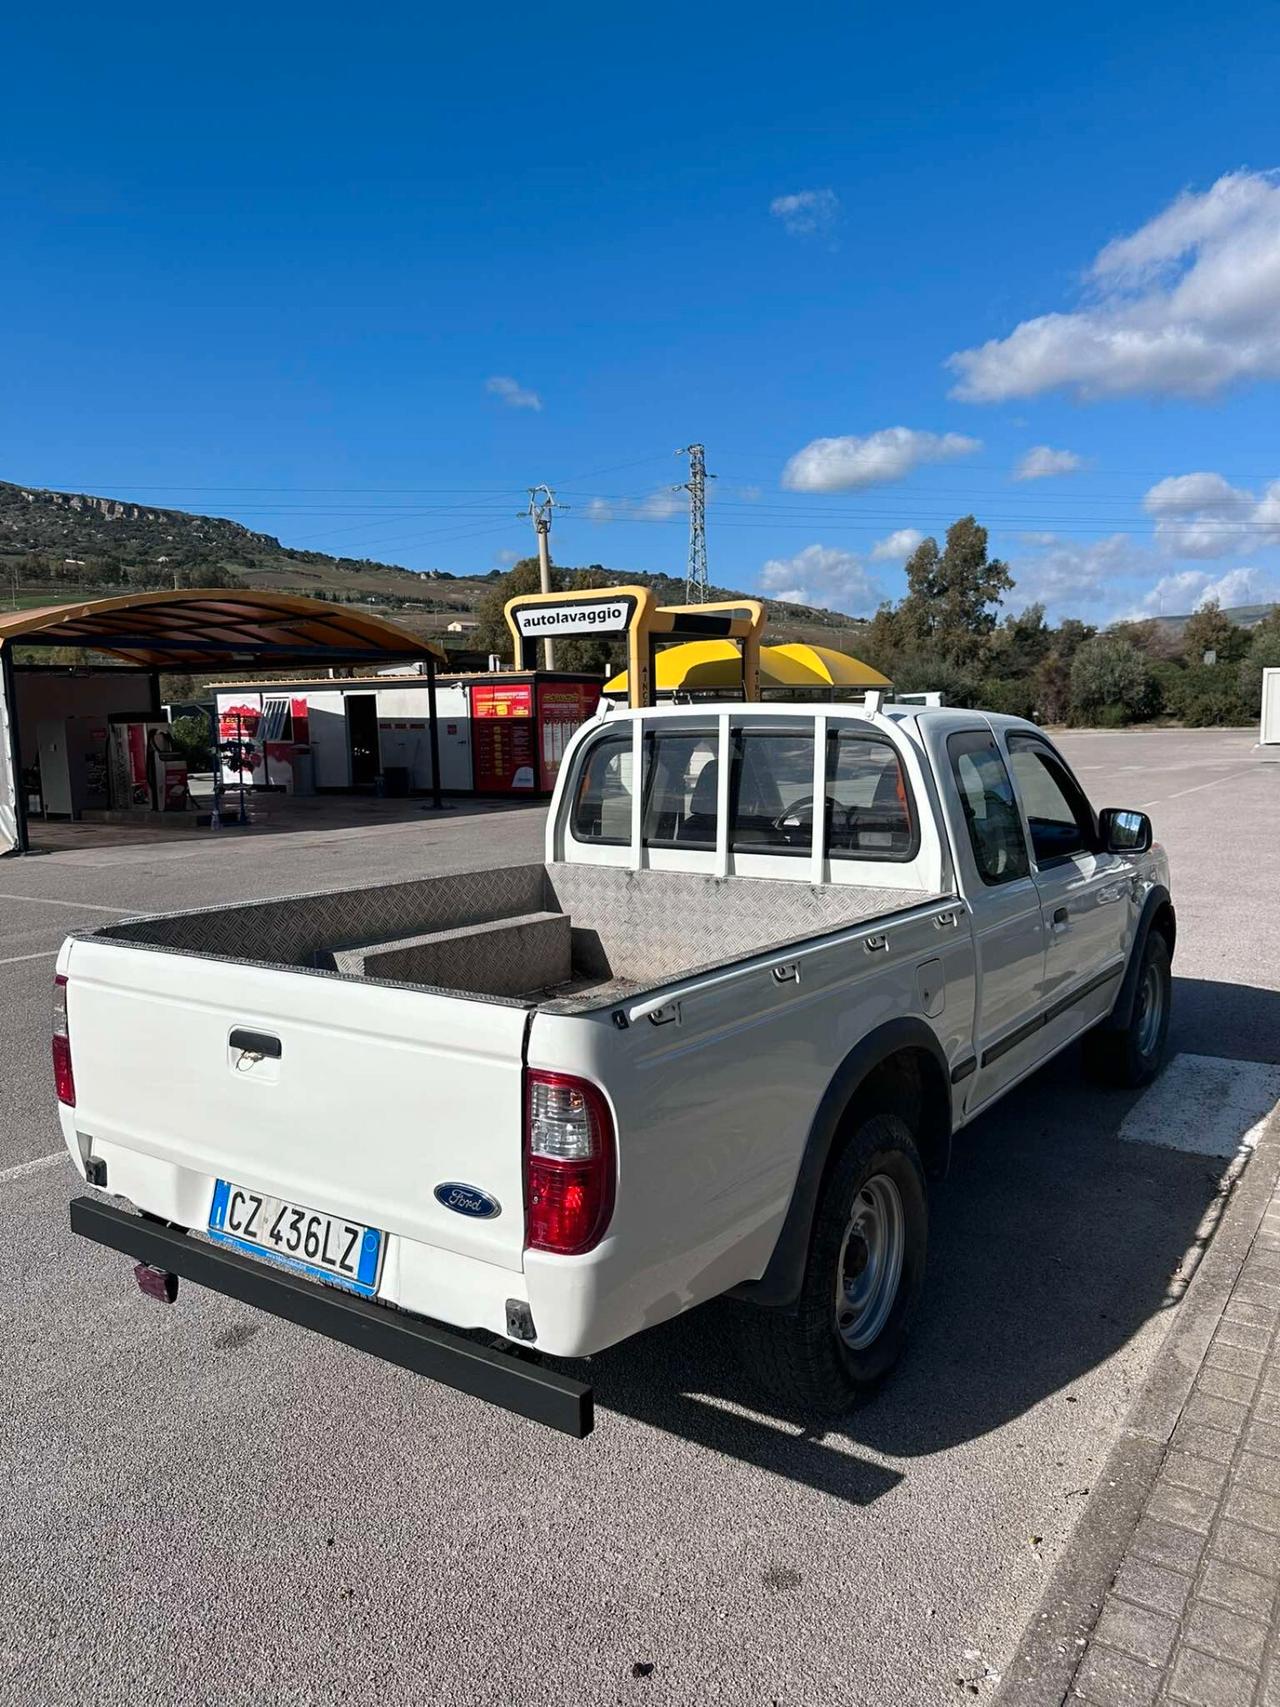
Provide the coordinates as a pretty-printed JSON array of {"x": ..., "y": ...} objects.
[
  {"x": 862, "y": 1279},
  {"x": 1133, "y": 1057}
]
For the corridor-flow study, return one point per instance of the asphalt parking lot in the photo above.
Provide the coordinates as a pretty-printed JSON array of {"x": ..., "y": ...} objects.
[{"x": 205, "y": 1505}]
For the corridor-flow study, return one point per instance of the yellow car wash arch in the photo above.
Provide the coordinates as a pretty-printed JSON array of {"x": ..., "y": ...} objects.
[{"x": 647, "y": 626}]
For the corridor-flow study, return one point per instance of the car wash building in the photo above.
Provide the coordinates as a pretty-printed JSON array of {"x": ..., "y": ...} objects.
[
  {"x": 499, "y": 733},
  {"x": 83, "y": 741}
]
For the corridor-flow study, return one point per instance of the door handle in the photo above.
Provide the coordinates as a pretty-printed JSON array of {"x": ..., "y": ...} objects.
[{"x": 1061, "y": 919}]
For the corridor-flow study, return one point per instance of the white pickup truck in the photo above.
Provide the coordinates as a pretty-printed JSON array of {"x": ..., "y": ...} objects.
[{"x": 715, "y": 1044}]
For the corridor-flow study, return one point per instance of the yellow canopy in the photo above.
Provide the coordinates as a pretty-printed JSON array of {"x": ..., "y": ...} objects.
[{"x": 709, "y": 664}]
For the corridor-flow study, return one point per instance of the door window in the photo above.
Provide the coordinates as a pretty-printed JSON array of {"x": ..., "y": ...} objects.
[
  {"x": 990, "y": 810},
  {"x": 1058, "y": 814}
]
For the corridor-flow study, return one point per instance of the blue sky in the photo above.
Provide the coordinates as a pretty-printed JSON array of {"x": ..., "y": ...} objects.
[{"x": 359, "y": 278}]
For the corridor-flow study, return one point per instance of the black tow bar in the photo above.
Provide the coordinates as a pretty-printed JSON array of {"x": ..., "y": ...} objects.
[{"x": 495, "y": 1376}]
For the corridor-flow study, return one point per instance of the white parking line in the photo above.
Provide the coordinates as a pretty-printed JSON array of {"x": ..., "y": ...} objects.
[
  {"x": 1206, "y": 1104},
  {"x": 85, "y": 906},
  {"x": 38, "y": 1166},
  {"x": 44, "y": 954}
]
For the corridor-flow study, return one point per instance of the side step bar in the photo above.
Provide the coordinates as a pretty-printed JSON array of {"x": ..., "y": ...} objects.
[{"x": 526, "y": 1388}]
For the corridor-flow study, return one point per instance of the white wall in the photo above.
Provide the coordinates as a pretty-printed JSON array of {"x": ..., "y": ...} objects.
[{"x": 1270, "y": 733}]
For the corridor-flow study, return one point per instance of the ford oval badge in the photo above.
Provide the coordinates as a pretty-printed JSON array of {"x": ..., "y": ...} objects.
[{"x": 467, "y": 1200}]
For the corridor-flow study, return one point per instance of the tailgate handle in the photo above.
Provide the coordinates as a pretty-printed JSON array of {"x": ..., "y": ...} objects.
[{"x": 259, "y": 1043}]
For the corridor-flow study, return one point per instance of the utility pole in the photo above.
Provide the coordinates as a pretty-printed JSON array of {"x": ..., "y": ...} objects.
[
  {"x": 542, "y": 506},
  {"x": 696, "y": 487}
]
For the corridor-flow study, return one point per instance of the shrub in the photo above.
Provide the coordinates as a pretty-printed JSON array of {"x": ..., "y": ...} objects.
[
  {"x": 1109, "y": 672},
  {"x": 1263, "y": 654},
  {"x": 1013, "y": 695},
  {"x": 1168, "y": 680},
  {"x": 191, "y": 737},
  {"x": 1111, "y": 717},
  {"x": 1211, "y": 695}
]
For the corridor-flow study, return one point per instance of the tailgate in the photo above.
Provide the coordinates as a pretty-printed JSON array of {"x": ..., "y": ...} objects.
[{"x": 377, "y": 1095}]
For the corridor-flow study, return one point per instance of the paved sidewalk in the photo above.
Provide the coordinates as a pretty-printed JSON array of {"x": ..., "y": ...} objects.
[{"x": 1193, "y": 1612}]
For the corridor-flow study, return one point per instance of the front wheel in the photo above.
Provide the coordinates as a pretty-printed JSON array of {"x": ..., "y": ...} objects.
[
  {"x": 1133, "y": 1057},
  {"x": 862, "y": 1279}
]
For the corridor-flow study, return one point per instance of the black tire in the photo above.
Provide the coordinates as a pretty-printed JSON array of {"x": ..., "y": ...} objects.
[
  {"x": 798, "y": 1353},
  {"x": 1132, "y": 1057}
]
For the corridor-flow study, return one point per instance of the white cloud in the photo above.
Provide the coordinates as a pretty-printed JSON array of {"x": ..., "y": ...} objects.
[
  {"x": 512, "y": 393},
  {"x": 1068, "y": 575},
  {"x": 1042, "y": 461},
  {"x": 824, "y": 577},
  {"x": 1176, "y": 595},
  {"x": 659, "y": 506},
  {"x": 1185, "y": 306},
  {"x": 1204, "y": 515},
  {"x": 848, "y": 464},
  {"x": 807, "y": 213},
  {"x": 897, "y": 546}
]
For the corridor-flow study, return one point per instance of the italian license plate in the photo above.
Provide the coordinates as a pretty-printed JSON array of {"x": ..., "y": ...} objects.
[{"x": 323, "y": 1246}]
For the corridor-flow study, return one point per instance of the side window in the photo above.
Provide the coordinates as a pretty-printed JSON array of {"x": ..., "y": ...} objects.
[
  {"x": 771, "y": 792},
  {"x": 681, "y": 779},
  {"x": 602, "y": 806},
  {"x": 1058, "y": 814},
  {"x": 991, "y": 813},
  {"x": 868, "y": 809}
]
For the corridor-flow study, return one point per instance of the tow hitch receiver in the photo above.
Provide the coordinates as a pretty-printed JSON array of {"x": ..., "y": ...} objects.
[{"x": 157, "y": 1283}]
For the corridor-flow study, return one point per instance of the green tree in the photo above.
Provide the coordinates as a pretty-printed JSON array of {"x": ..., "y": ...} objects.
[
  {"x": 589, "y": 653},
  {"x": 1070, "y": 635},
  {"x": 953, "y": 594},
  {"x": 1263, "y": 654},
  {"x": 493, "y": 635},
  {"x": 1020, "y": 643},
  {"x": 1209, "y": 630},
  {"x": 1110, "y": 682}
]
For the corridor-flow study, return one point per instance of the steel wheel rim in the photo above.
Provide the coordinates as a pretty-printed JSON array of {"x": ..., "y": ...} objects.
[
  {"x": 1150, "y": 1010},
  {"x": 870, "y": 1267}
]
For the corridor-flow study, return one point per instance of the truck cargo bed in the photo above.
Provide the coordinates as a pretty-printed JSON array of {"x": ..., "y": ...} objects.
[{"x": 561, "y": 937}]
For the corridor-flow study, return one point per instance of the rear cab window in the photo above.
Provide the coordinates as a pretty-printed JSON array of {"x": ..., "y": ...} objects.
[
  {"x": 863, "y": 790},
  {"x": 681, "y": 788},
  {"x": 771, "y": 790},
  {"x": 602, "y": 798}
]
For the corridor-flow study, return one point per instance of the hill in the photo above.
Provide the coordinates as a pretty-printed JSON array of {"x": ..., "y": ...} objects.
[{"x": 56, "y": 547}]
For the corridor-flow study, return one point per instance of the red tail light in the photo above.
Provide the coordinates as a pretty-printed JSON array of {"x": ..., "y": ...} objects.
[
  {"x": 64, "y": 1080},
  {"x": 569, "y": 1161}
]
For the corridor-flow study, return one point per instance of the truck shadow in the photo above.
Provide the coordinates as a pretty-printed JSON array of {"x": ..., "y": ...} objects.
[{"x": 1052, "y": 1244}]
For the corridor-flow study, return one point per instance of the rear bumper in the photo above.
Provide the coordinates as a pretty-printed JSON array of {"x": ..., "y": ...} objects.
[{"x": 500, "y": 1379}]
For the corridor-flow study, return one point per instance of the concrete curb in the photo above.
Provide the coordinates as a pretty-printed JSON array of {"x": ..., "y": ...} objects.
[{"x": 1053, "y": 1644}]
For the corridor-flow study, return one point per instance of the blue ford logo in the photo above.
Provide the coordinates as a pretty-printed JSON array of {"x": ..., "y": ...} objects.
[{"x": 467, "y": 1200}]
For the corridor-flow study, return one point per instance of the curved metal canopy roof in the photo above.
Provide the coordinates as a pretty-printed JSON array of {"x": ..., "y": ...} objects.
[{"x": 232, "y": 628}]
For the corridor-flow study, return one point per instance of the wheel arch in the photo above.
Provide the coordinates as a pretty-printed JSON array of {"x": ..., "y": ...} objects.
[
  {"x": 1157, "y": 915},
  {"x": 900, "y": 1065}
]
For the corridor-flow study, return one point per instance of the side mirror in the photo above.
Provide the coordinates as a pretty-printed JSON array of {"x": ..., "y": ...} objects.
[{"x": 1123, "y": 831}]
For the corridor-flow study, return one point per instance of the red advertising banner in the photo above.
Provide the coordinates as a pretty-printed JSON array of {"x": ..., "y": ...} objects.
[
  {"x": 503, "y": 755},
  {"x": 563, "y": 707}
]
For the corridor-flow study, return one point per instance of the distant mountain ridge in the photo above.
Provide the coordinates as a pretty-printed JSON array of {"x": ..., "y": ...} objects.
[{"x": 58, "y": 546}]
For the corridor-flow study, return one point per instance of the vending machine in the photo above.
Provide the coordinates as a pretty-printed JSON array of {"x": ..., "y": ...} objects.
[
  {"x": 521, "y": 724},
  {"x": 167, "y": 771}
]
